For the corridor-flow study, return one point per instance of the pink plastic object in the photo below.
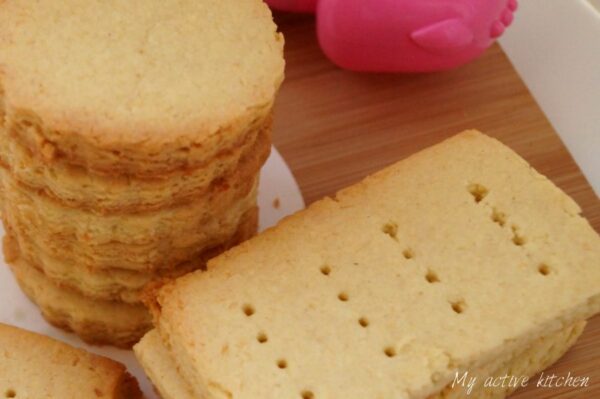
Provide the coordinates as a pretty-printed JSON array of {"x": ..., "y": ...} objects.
[
  {"x": 294, "y": 5},
  {"x": 405, "y": 35},
  {"x": 408, "y": 35}
]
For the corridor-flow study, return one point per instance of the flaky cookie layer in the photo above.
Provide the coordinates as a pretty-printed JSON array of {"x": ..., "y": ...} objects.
[
  {"x": 140, "y": 241},
  {"x": 125, "y": 285},
  {"x": 78, "y": 188},
  {"x": 94, "y": 321},
  {"x": 172, "y": 85},
  {"x": 171, "y": 241}
]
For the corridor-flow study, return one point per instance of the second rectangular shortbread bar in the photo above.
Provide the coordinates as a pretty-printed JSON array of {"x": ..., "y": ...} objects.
[{"x": 459, "y": 258}]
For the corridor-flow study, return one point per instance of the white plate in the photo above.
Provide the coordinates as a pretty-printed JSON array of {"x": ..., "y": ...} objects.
[{"x": 278, "y": 196}]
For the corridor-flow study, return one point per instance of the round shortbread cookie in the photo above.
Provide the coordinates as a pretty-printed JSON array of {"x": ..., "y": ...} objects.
[
  {"x": 94, "y": 321},
  {"x": 178, "y": 236},
  {"x": 142, "y": 241},
  {"x": 136, "y": 87},
  {"x": 76, "y": 187},
  {"x": 126, "y": 285}
]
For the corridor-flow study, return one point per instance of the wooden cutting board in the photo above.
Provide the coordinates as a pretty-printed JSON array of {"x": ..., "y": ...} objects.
[{"x": 334, "y": 127}]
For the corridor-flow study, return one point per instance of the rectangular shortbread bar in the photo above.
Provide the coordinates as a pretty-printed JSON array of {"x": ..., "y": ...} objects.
[{"x": 459, "y": 258}]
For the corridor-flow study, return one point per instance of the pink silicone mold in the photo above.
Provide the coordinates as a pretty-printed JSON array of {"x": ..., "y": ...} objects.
[{"x": 405, "y": 35}]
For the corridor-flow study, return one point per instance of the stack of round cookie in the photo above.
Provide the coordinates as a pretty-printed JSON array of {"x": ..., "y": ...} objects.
[{"x": 131, "y": 139}]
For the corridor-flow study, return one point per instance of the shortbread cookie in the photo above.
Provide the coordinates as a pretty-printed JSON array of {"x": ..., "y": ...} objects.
[
  {"x": 456, "y": 259},
  {"x": 126, "y": 285},
  {"x": 170, "y": 83},
  {"x": 33, "y": 366},
  {"x": 76, "y": 188},
  {"x": 140, "y": 242},
  {"x": 94, "y": 321}
]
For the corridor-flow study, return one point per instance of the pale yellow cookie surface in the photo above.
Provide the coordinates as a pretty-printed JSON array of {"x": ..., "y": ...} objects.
[
  {"x": 33, "y": 366},
  {"x": 140, "y": 87}
]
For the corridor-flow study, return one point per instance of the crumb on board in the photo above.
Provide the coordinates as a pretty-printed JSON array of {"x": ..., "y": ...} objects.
[{"x": 276, "y": 203}]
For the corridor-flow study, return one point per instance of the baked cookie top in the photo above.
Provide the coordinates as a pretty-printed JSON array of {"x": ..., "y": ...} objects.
[
  {"x": 36, "y": 366},
  {"x": 131, "y": 79}
]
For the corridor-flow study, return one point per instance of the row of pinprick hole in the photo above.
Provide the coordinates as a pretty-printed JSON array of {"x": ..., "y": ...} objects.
[
  {"x": 343, "y": 296},
  {"x": 262, "y": 338},
  {"x": 391, "y": 229},
  {"x": 479, "y": 192},
  {"x": 390, "y": 351}
]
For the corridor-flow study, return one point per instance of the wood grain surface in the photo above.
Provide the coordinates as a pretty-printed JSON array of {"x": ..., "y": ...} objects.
[{"x": 335, "y": 127}]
